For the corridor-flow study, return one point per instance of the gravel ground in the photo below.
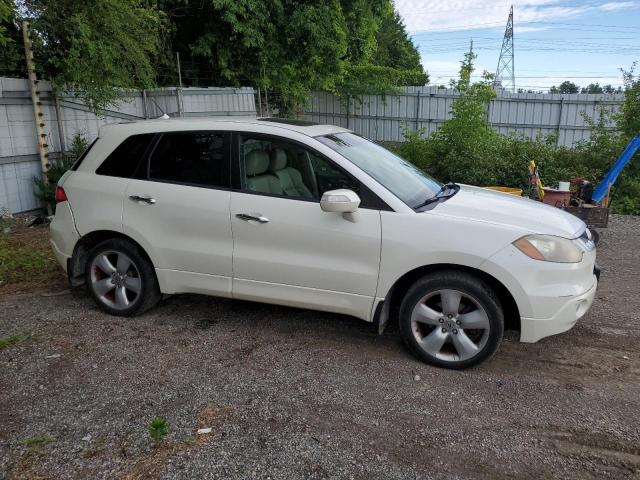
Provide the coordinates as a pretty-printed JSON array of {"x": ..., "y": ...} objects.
[{"x": 298, "y": 394}]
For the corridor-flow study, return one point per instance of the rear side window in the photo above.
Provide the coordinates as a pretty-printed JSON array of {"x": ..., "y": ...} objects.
[
  {"x": 77, "y": 163},
  {"x": 122, "y": 162},
  {"x": 192, "y": 158}
]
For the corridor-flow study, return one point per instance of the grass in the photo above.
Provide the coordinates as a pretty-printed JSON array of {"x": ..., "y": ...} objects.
[
  {"x": 158, "y": 429},
  {"x": 26, "y": 258},
  {"x": 38, "y": 440},
  {"x": 7, "y": 342}
]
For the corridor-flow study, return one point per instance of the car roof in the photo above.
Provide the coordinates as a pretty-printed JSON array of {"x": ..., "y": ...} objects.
[{"x": 223, "y": 123}]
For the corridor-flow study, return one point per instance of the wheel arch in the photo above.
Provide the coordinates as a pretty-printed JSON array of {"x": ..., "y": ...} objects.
[
  {"x": 86, "y": 243},
  {"x": 391, "y": 304}
]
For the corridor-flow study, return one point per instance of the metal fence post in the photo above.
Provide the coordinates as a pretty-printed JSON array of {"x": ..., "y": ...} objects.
[
  {"x": 560, "y": 121},
  {"x": 348, "y": 108},
  {"x": 145, "y": 108},
  {"x": 418, "y": 107},
  {"x": 56, "y": 102}
]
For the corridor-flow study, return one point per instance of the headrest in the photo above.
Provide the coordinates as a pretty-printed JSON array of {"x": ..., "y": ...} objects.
[
  {"x": 278, "y": 159},
  {"x": 256, "y": 162}
]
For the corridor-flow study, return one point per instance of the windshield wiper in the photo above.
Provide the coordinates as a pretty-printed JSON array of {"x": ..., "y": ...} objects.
[{"x": 448, "y": 190}]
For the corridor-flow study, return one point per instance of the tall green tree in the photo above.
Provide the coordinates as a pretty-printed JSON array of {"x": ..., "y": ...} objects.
[
  {"x": 394, "y": 47},
  {"x": 96, "y": 47},
  {"x": 290, "y": 46},
  {"x": 11, "y": 53},
  {"x": 6, "y": 13},
  {"x": 283, "y": 45}
]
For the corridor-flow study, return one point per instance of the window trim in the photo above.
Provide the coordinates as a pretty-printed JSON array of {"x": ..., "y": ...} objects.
[
  {"x": 146, "y": 173},
  {"x": 237, "y": 168}
]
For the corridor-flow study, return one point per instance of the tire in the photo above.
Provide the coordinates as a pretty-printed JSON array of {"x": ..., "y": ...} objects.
[
  {"x": 121, "y": 279},
  {"x": 439, "y": 332}
]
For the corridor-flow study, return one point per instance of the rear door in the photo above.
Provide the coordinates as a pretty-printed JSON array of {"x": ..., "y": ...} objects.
[{"x": 178, "y": 210}]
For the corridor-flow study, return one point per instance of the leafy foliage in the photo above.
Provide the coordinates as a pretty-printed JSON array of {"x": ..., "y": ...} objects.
[
  {"x": 96, "y": 47},
  {"x": 11, "y": 53},
  {"x": 57, "y": 168},
  {"x": 6, "y": 13},
  {"x": 629, "y": 117},
  {"x": 565, "y": 87},
  {"x": 158, "y": 429},
  {"x": 290, "y": 47}
]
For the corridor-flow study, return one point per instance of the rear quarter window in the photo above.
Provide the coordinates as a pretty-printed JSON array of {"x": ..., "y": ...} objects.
[
  {"x": 124, "y": 160},
  {"x": 81, "y": 158}
]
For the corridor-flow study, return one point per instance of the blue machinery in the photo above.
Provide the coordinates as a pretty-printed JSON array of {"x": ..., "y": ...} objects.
[{"x": 610, "y": 178}]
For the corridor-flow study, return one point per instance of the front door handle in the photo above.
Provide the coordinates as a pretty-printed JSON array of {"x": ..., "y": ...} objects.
[
  {"x": 147, "y": 200},
  {"x": 256, "y": 218}
]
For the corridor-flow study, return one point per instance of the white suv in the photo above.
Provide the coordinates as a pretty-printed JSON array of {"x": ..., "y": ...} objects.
[{"x": 315, "y": 216}]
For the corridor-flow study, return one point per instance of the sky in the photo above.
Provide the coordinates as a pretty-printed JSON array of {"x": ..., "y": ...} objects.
[{"x": 554, "y": 40}]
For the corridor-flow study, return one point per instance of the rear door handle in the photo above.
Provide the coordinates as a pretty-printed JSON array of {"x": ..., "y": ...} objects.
[
  {"x": 147, "y": 200},
  {"x": 256, "y": 218}
]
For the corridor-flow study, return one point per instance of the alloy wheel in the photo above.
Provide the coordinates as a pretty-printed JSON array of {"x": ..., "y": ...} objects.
[
  {"x": 450, "y": 325},
  {"x": 115, "y": 279}
]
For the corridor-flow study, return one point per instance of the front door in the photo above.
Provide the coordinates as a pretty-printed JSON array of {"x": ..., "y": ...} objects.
[
  {"x": 178, "y": 209},
  {"x": 286, "y": 249}
]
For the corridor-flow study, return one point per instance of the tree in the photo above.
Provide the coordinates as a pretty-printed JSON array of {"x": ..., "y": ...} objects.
[
  {"x": 96, "y": 47},
  {"x": 592, "y": 88},
  {"x": 7, "y": 10},
  {"x": 290, "y": 46},
  {"x": 394, "y": 47},
  {"x": 11, "y": 52},
  {"x": 283, "y": 45},
  {"x": 628, "y": 119},
  {"x": 565, "y": 87}
]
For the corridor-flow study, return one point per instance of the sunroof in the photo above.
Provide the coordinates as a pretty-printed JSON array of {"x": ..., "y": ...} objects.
[{"x": 289, "y": 121}]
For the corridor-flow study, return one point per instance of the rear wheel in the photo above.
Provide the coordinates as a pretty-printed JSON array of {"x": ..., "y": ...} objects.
[
  {"x": 120, "y": 278},
  {"x": 451, "y": 319}
]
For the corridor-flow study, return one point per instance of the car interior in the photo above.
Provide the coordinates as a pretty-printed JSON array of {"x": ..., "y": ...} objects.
[{"x": 285, "y": 169}]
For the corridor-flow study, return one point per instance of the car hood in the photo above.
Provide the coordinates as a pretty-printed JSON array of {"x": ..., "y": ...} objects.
[{"x": 480, "y": 204}]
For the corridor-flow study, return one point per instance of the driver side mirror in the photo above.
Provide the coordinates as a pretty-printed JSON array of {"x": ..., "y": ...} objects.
[{"x": 342, "y": 201}]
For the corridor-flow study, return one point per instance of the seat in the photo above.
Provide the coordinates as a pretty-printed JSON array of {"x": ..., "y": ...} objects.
[
  {"x": 290, "y": 178},
  {"x": 256, "y": 163}
]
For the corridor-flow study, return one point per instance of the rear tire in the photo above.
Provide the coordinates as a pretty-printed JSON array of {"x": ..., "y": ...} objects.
[
  {"x": 451, "y": 319},
  {"x": 120, "y": 278}
]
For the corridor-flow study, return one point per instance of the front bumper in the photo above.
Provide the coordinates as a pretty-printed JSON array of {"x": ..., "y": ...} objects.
[{"x": 569, "y": 311}]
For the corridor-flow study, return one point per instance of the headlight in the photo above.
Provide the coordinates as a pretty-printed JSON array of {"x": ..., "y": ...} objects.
[{"x": 550, "y": 249}]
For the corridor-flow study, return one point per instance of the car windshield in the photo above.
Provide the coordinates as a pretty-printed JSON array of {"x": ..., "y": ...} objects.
[{"x": 400, "y": 177}]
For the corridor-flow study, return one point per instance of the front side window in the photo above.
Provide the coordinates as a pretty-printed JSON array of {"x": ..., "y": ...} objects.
[
  {"x": 283, "y": 168},
  {"x": 400, "y": 177},
  {"x": 192, "y": 158}
]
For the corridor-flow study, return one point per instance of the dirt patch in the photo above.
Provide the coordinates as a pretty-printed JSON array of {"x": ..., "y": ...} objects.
[{"x": 27, "y": 263}]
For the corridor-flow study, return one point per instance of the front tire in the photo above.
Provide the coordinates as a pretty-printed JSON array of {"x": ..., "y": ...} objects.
[
  {"x": 451, "y": 319},
  {"x": 120, "y": 278}
]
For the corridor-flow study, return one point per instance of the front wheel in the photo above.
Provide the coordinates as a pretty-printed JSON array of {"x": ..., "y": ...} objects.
[{"x": 451, "y": 319}]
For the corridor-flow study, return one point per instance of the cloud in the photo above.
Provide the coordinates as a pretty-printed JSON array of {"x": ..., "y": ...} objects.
[{"x": 457, "y": 15}]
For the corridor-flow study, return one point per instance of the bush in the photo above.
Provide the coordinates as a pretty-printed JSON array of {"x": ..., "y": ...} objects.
[{"x": 57, "y": 168}]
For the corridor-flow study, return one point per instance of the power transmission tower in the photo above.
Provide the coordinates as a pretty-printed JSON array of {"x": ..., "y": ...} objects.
[{"x": 505, "y": 75}]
